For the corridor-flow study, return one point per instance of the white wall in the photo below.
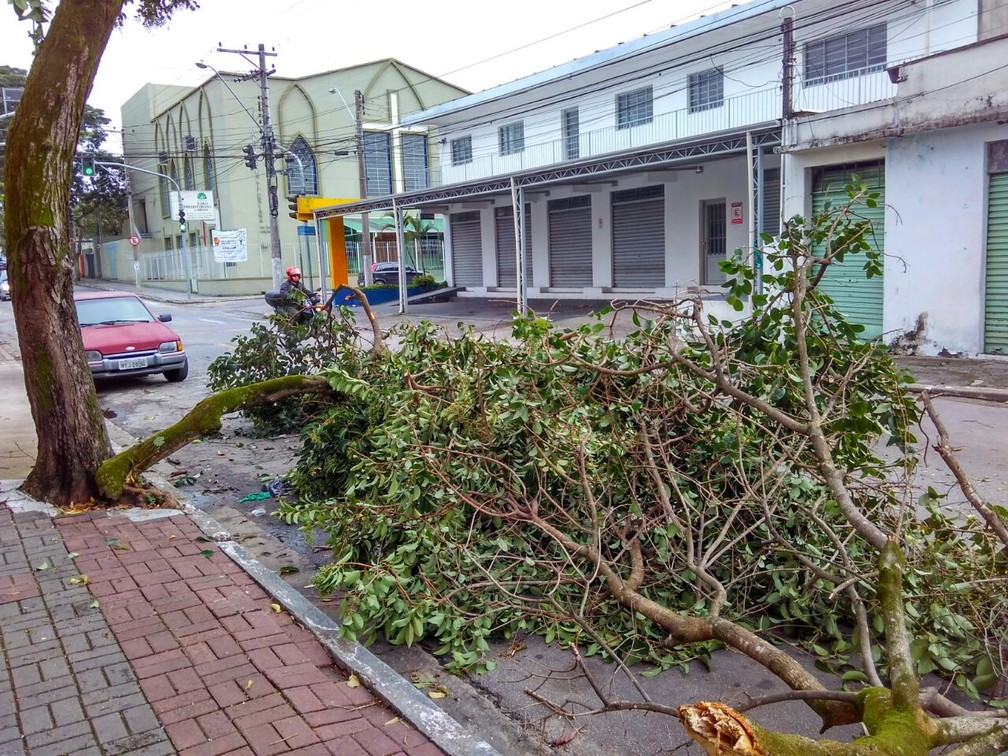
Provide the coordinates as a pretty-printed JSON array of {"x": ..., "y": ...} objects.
[{"x": 936, "y": 192}]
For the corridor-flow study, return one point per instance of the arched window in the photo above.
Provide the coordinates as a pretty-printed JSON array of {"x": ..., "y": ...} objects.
[
  {"x": 165, "y": 199},
  {"x": 303, "y": 164},
  {"x": 190, "y": 177},
  {"x": 209, "y": 177},
  {"x": 173, "y": 172}
]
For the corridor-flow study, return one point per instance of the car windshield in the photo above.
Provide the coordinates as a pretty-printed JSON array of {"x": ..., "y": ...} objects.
[{"x": 111, "y": 311}]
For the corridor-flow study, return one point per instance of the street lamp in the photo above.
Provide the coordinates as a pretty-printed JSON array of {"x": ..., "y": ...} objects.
[{"x": 201, "y": 64}]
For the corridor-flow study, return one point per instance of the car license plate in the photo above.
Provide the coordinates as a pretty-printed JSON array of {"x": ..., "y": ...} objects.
[{"x": 133, "y": 364}]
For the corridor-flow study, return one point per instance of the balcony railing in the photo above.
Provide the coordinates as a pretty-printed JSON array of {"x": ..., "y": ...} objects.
[
  {"x": 734, "y": 114},
  {"x": 839, "y": 94}
]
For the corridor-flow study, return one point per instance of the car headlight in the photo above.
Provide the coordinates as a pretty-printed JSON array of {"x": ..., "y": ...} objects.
[
  {"x": 93, "y": 356},
  {"x": 168, "y": 347}
]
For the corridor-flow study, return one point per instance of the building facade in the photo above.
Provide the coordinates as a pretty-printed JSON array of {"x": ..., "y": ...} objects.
[
  {"x": 210, "y": 139},
  {"x": 633, "y": 172}
]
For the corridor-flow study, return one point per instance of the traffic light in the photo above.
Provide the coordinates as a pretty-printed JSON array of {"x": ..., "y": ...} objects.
[
  {"x": 250, "y": 156},
  {"x": 292, "y": 204},
  {"x": 88, "y": 165},
  {"x": 181, "y": 221}
]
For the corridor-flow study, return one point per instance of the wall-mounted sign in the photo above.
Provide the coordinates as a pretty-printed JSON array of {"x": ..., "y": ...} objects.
[{"x": 230, "y": 245}]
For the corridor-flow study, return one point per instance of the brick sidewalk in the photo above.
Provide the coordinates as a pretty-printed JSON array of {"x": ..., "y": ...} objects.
[{"x": 166, "y": 646}]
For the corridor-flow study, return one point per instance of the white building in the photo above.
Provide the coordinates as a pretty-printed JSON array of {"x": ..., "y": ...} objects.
[{"x": 639, "y": 168}]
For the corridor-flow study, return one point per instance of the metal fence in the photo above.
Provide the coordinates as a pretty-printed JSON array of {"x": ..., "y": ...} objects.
[
  {"x": 429, "y": 258},
  {"x": 169, "y": 264}
]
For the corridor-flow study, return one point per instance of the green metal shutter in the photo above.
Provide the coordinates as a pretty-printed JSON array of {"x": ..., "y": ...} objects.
[
  {"x": 466, "y": 249},
  {"x": 996, "y": 298},
  {"x": 770, "y": 223},
  {"x": 858, "y": 297},
  {"x": 570, "y": 242}
]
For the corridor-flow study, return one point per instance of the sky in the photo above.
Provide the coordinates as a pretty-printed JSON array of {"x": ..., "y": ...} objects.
[{"x": 473, "y": 45}]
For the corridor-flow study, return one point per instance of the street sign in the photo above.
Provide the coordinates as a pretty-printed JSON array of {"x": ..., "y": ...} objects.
[
  {"x": 198, "y": 205},
  {"x": 135, "y": 241}
]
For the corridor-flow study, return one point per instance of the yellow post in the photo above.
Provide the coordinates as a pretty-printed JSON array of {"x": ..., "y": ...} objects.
[
  {"x": 337, "y": 252},
  {"x": 337, "y": 239}
]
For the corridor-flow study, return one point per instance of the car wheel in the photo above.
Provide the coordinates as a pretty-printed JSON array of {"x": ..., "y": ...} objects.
[
  {"x": 179, "y": 374},
  {"x": 379, "y": 282}
]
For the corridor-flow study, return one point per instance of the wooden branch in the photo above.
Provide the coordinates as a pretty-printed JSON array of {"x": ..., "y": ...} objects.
[
  {"x": 378, "y": 342},
  {"x": 902, "y": 675},
  {"x": 944, "y": 449},
  {"x": 202, "y": 420},
  {"x": 833, "y": 477}
]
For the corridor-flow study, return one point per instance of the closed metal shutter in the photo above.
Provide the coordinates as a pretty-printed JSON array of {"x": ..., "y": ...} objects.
[
  {"x": 467, "y": 249},
  {"x": 507, "y": 273},
  {"x": 570, "y": 242},
  {"x": 996, "y": 298},
  {"x": 858, "y": 297},
  {"x": 771, "y": 202},
  {"x": 638, "y": 228}
]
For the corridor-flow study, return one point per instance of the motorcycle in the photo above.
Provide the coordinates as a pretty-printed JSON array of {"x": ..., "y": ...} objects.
[{"x": 300, "y": 313}]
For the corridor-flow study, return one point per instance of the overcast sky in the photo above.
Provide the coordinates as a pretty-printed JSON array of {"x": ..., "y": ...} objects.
[{"x": 470, "y": 44}]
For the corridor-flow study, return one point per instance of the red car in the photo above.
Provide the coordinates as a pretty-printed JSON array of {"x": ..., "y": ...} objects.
[{"x": 122, "y": 337}]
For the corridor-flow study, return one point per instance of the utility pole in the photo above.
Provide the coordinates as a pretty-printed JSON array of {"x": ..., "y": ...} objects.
[
  {"x": 269, "y": 155},
  {"x": 362, "y": 178},
  {"x": 138, "y": 285},
  {"x": 787, "y": 77}
]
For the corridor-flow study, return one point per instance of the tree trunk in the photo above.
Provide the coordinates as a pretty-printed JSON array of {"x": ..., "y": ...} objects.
[{"x": 72, "y": 438}]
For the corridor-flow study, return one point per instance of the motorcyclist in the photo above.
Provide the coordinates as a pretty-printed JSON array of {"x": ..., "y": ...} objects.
[
  {"x": 292, "y": 289},
  {"x": 298, "y": 295}
]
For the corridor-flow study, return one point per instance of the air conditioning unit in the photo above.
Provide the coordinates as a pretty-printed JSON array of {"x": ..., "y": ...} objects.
[
  {"x": 162, "y": 158},
  {"x": 189, "y": 144}
]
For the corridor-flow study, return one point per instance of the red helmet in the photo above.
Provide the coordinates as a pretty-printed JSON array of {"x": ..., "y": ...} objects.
[{"x": 293, "y": 271}]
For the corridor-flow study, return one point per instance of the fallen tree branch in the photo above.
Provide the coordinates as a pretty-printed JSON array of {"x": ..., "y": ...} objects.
[
  {"x": 944, "y": 449},
  {"x": 204, "y": 419}
]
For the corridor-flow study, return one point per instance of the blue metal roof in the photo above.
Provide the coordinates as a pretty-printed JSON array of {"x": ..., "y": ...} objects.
[{"x": 673, "y": 34}]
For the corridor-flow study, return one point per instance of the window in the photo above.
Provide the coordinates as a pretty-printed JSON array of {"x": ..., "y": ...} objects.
[
  {"x": 163, "y": 186},
  {"x": 378, "y": 163},
  {"x": 209, "y": 173},
  {"x": 414, "y": 162},
  {"x": 302, "y": 176},
  {"x": 512, "y": 138},
  {"x": 461, "y": 149},
  {"x": 571, "y": 134},
  {"x": 706, "y": 90},
  {"x": 189, "y": 176},
  {"x": 634, "y": 108},
  {"x": 845, "y": 55}
]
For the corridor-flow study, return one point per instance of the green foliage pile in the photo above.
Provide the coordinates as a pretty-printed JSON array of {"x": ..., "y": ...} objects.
[{"x": 462, "y": 481}]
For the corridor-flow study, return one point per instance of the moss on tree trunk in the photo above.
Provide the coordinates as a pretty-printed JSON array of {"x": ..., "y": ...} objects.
[{"x": 115, "y": 475}]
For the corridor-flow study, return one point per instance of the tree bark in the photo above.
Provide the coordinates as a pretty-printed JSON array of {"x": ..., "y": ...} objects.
[{"x": 72, "y": 437}]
